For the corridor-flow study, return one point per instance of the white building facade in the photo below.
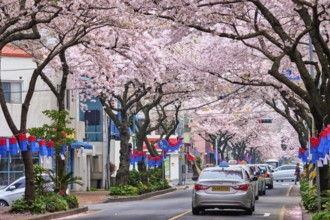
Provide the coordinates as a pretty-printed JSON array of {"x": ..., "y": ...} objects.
[{"x": 15, "y": 71}]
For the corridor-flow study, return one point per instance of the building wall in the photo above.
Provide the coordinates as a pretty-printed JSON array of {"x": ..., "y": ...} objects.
[{"x": 20, "y": 69}]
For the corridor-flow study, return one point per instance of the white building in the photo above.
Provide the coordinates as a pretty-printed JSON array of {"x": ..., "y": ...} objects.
[{"x": 15, "y": 71}]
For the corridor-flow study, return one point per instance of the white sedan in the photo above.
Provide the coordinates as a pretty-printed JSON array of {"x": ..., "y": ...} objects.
[
  {"x": 16, "y": 190},
  {"x": 285, "y": 172}
]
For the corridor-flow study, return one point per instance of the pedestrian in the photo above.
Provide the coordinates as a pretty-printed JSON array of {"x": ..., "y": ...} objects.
[{"x": 297, "y": 173}]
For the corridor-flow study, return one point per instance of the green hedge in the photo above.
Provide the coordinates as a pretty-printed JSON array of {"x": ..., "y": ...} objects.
[
  {"x": 309, "y": 199},
  {"x": 50, "y": 202},
  {"x": 136, "y": 185},
  {"x": 125, "y": 190}
]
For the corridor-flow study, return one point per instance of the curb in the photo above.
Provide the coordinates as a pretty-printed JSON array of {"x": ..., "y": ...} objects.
[
  {"x": 61, "y": 214},
  {"x": 140, "y": 197},
  {"x": 305, "y": 215}
]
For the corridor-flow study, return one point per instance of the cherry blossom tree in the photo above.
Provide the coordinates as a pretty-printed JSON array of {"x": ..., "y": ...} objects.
[
  {"x": 33, "y": 26},
  {"x": 21, "y": 20},
  {"x": 277, "y": 31}
]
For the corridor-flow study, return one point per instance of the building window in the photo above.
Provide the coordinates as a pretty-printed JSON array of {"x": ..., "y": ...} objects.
[
  {"x": 93, "y": 119},
  {"x": 13, "y": 92},
  {"x": 13, "y": 168}
]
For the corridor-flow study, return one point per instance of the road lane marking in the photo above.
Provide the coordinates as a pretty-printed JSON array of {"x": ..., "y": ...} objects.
[
  {"x": 282, "y": 213},
  {"x": 288, "y": 192},
  {"x": 180, "y": 215},
  {"x": 266, "y": 214}
]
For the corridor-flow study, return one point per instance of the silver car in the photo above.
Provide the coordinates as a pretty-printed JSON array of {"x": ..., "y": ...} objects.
[
  {"x": 12, "y": 192},
  {"x": 16, "y": 190},
  {"x": 268, "y": 175},
  {"x": 251, "y": 174},
  {"x": 261, "y": 180},
  {"x": 285, "y": 172},
  {"x": 223, "y": 188}
]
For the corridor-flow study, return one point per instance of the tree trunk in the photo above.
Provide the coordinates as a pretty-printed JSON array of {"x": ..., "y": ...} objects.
[
  {"x": 324, "y": 177},
  {"x": 29, "y": 177},
  {"x": 60, "y": 164},
  {"x": 123, "y": 171},
  {"x": 60, "y": 170},
  {"x": 323, "y": 171},
  {"x": 142, "y": 166}
]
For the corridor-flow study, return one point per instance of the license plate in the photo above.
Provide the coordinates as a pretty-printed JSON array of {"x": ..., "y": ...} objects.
[{"x": 220, "y": 188}]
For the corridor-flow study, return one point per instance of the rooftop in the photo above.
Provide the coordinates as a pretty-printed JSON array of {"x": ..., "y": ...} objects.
[{"x": 11, "y": 51}]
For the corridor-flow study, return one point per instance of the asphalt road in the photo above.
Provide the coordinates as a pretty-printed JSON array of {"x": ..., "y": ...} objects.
[{"x": 280, "y": 203}]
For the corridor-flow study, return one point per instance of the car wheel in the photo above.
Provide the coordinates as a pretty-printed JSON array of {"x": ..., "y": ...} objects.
[
  {"x": 3, "y": 203},
  {"x": 195, "y": 211},
  {"x": 270, "y": 186},
  {"x": 250, "y": 210}
]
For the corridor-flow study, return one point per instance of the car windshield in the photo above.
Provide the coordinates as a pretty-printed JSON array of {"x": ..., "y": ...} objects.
[
  {"x": 222, "y": 174},
  {"x": 273, "y": 164}
]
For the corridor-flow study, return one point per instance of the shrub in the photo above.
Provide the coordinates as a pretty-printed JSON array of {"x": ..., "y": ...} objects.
[
  {"x": 19, "y": 206},
  {"x": 55, "y": 202},
  {"x": 37, "y": 207},
  {"x": 134, "y": 178},
  {"x": 309, "y": 198},
  {"x": 40, "y": 182},
  {"x": 72, "y": 201},
  {"x": 93, "y": 189},
  {"x": 50, "y": 202},
  {"x": 321, "y": 216},
  {"x": 142, "y": 188},
  {"x": 155, "y": 175},
  {"x": 125, "y": 190}
]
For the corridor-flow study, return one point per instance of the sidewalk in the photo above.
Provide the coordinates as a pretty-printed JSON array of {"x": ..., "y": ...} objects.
[
  {"x": 91, "y": 197},
  {"x": 296, "y": 211}
]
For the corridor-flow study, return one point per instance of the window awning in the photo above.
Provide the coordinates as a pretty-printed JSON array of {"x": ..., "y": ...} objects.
[{"x": 79, "y": 144}]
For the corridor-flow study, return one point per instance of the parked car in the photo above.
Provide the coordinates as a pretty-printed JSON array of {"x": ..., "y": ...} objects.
[
  {"x": 223, "y": 187},
  {"x": 285, "y": 172},
  {"x": 16, "y": 190},
  {"x": 261, "y": 180},
  {"x": 267, "y": 172},
  {"x": 251, "y": 174}
]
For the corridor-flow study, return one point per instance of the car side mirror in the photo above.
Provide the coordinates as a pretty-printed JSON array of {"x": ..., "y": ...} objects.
[
  {"x": 11, "y": 188},
  {"x": 257, "y": 173},
  {"x": 254, "y": 178},
  {"x": 194, "y": 178},
  {"x": 272, "y": 171}
]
